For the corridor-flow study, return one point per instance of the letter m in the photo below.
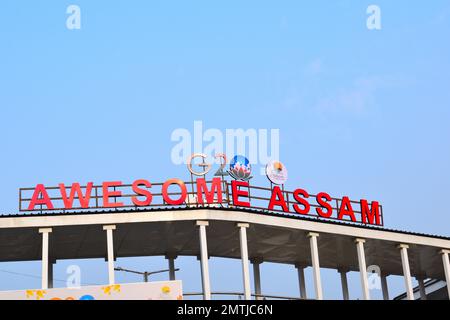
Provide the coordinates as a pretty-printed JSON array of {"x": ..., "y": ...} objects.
[
  {"x": 202, "y": 188},
  {"x": 372, "y": 215}
]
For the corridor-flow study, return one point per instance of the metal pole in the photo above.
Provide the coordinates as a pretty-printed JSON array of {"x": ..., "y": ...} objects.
[
  {"x": 171, "y": 268},
  {"x": 315, "y": 264},
  {"x": 362, "y": 268},
  {"x": 204, "y": 260},
  {"x": 145, "y": 274},
  {"x": 384, "y": 287},
  {"x": 50, "y": 274},
  {"x": 110, "y": 247},
  {"x": 406, "y": 271},
  {"x": 244, "y": 258},
  {"x": 45, "y": 232},
  {"x": 301, "y": 281},
  {"x": 446, "y": 264},
  {"x": 423, "y": 294},
  {"x": 257, "y": 277},
  {"x": 344, "y": 283}
]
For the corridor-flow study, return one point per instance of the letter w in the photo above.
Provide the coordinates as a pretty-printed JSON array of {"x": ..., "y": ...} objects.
[{"x": 76, "y": 189}]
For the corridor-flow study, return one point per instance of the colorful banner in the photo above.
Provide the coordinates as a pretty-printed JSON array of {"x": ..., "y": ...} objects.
[{"x": 161, "y": 290}]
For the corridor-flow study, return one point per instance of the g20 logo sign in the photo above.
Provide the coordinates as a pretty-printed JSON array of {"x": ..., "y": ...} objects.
[
  {"x": 206, "y": 167},
  {"x": 239, "y": 168}
]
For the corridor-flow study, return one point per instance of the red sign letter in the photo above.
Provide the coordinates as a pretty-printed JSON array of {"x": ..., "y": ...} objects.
[
  {"x": 142, "y": 192},
  {"x": 369, "y": 215},
  {"x": 346, "y": 209},
  {"x": 303, "y": 202},
  {"x": 84, "y": 200},
  {"x": 322, "y": 199},
  {"x": 109, "y": 194},
  {"x": 165, "y": 192},
  {"x": 277, "y": 199},
  {"x": 235, "y": 184},
  {"x": 40, "y": 196},
  {"x": 209, "y": 195}
]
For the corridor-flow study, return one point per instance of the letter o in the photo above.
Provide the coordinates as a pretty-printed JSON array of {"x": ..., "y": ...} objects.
[{"x": 165, "y": 192}]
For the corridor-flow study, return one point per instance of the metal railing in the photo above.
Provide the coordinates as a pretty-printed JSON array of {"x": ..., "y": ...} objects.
[{"x": 259, "y": 197}]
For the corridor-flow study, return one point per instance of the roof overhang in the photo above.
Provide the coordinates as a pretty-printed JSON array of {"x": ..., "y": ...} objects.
[{"x": 271, "y": 237}]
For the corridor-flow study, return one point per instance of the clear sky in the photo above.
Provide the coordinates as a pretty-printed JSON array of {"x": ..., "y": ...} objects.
[{"x": 361, "y": 112}]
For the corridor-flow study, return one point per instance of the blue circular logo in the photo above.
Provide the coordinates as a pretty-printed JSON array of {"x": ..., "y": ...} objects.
[{"x": 240, "y": 168}]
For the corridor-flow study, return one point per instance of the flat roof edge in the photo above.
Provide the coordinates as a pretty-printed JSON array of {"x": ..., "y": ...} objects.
[{"x": 212, "y": 208}]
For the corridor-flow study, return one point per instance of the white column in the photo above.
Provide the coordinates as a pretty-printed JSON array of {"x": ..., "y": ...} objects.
[
  {"x": 446, "y": 264},
  {"x": 362, "y": 268},
  {"x": 244, "y": 258},
  {"x": 171, "y": 260},
  {"x": 344, "y": 283},
  {"x": 423, "y": 294},
  {"x": 406, "y": 271},
  {"x": 257, "y": 277},
  {"x": 45, "y": 232},
  {"x": 301, "y": 280},
  {"x": 384, "y": 286},
  {"x": 110, "y": 247},
  {"x": 315, "y": 264},
  {"x": 204, "y": 260}
]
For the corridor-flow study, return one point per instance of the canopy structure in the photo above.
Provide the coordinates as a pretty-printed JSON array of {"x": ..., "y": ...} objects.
[{"x": 249, "y": 235}]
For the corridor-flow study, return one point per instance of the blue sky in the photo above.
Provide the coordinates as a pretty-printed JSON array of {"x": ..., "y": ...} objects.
[{"x": 361, "y": 113}]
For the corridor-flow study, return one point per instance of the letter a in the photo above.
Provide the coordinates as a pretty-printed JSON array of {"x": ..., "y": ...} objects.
[
  {"x": 40, "y": 197},
  {"x": 374, "y": 20},
  {"x": 74, "y": 20}
]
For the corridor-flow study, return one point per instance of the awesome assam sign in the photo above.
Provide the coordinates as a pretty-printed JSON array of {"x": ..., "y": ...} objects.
[{"x": 217, "y": 192}]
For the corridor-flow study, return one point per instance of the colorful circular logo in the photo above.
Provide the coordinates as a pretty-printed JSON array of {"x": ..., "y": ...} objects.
[
  {"x": 240, "y": 168},
  {"x": 276, "y": 172}
]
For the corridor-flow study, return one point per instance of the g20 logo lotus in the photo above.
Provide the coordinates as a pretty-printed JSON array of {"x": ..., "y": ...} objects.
[{"x": 240, "y": 168}]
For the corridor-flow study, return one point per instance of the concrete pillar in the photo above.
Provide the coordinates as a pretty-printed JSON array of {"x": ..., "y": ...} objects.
[
  {"x": 45, "y": 244},
  {"x": 406, "y": 271},
  {"x": 362, "y": 268},
  {"x": 384, "y": 287},
  {"x": 257, "y": 277},
  {"x": 301, "y": 280},
  {"x": 244, "y": 258},
  {"x": 446, "y": 263},
  {"x": 110, "y": 249},
  {"x": 315, "y": 264},
  {"x": 204, "y": 260},
  {"x": 344, "y": 283}
]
